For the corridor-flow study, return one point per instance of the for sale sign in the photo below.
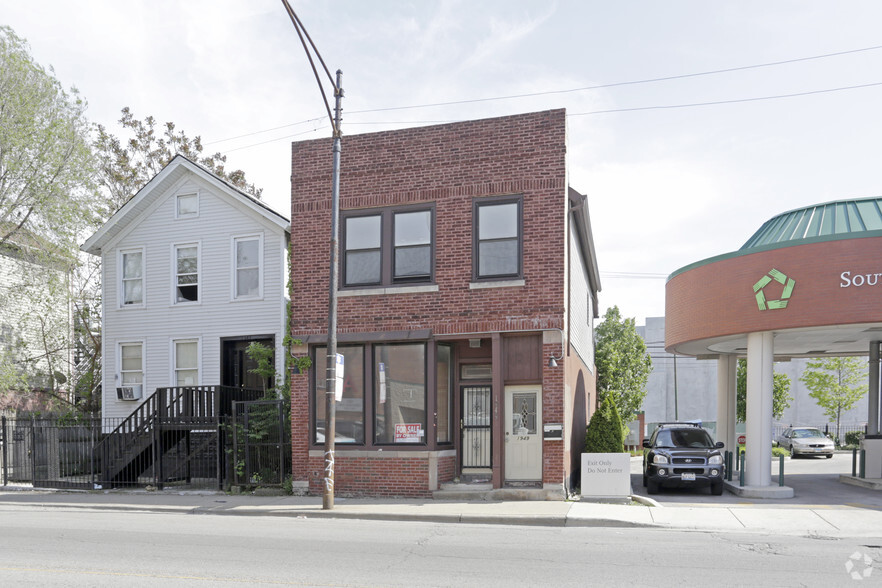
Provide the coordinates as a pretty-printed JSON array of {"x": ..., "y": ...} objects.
[{"x": 408, "y": 432}]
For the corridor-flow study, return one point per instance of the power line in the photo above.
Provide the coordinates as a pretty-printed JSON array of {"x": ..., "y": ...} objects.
[{"x": 572, "y": 90}]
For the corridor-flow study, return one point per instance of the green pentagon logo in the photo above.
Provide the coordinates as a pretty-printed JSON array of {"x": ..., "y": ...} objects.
[{"x": 779, "y": 277}]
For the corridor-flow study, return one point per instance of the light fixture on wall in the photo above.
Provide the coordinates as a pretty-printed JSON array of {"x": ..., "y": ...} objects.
[{"x": 552, "y": 362}]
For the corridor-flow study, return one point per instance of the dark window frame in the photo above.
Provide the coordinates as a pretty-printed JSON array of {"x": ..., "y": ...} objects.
[
  {"x": 427, "y": 425},
  {"x": 366, "y": 411},
  {"x": 476, "y": 241},
  {"x": 387, "y": 246}
]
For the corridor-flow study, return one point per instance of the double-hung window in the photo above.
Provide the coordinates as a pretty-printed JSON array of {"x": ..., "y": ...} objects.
[
  {"x": 186, "y": 259},
  {"x": 132, "y": 273},
  {"x": 186, "y": 363},
  {"x": 498, "y": 238},
  {"x": 131, "y": 363},
  {"x": 388, "y": 246},
  {"x": 247, "y": 271}
]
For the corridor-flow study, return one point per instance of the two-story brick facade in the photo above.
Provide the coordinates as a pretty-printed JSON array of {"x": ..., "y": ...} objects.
[{"x": 467, "y": 265}]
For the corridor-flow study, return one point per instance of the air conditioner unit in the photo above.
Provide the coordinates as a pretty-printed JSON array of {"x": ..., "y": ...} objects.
[{"x": 130, "y": 392}]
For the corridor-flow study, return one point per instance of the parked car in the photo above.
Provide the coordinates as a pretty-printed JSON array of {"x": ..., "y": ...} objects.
[
  {"x": 682, "y": 455},
  {"x": 806, "y": 441}
]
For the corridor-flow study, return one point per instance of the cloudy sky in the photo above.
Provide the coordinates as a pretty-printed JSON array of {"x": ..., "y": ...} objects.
[{"x": 668, "y": 183}]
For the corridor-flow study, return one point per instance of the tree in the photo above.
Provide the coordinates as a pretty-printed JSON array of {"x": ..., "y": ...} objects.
[
  {"x": 623, "y": 364},
  {"x": 835, "y": 383},
  {"x": 604, "y": 433},
  {"x": 45, "y": 159},
  {"x": 781, "y": 397},
  {"x": 125, "y": 166},
  {"x": 46, "y": 205}
]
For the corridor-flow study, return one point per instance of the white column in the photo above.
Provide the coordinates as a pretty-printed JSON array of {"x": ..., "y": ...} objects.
[
  {"x": 758, "y": 448},
  {"x": 873, "y": 390},
  {"x": 726, "y": 396}
]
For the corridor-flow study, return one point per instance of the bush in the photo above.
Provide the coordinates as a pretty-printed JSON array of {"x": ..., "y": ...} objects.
[
  {"x": 854, "y": 438},
  {"x": 604, "y": 433}
]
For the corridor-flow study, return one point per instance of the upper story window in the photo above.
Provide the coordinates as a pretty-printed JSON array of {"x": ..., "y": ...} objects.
[
  {"x": 132, "y": 274},
  {"x": 247, "y": 267},
  {"x": 186, "y": 273},
  {"x": 498, "y": 248},
  {"x": 186, "y": 205},
  {"x": 388, "y": 246}
]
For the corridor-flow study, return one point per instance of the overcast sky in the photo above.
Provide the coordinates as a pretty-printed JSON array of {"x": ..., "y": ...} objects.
[{"x": 667, "y": 186}]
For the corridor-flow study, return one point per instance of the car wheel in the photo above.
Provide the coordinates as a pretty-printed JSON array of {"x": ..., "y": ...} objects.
[
  {"x": 644, "y": 480},
  {"x": 652, "y": 487},
  {"x": 792, "y": 453},
  {"x": 717, "y": 489},
  {"x": 829, "y": 456}
]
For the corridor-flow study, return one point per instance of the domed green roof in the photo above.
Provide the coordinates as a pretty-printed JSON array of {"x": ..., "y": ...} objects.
[{"x": 833, "y": 220}]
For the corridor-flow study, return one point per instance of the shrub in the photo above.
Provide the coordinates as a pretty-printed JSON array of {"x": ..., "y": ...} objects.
[
  {"x": 854, "y": 438},
  {"x": 604, "y": 433}
]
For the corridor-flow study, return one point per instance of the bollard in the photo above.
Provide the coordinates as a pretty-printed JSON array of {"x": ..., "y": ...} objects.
[
  {"x": 728, "y": 465},
  {"x": 741, "y": 469},
  {"x": 780, "y": 470},
  {"x": 854, "y": 462},
  {"x": 863, "y": 463}
]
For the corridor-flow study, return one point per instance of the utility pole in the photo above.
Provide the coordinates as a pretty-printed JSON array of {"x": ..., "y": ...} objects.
[{"x": 331, "y": 362}]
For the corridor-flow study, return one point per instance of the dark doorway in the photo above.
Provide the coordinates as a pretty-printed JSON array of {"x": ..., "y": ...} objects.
[{"x": 236, "y": 366}]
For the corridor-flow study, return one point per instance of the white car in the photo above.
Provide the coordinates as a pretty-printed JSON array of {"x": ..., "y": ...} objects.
[{"x": 806, "y": 441}]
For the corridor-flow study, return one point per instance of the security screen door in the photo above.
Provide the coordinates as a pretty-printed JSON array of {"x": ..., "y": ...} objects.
[{"x": 476, "y": 402}]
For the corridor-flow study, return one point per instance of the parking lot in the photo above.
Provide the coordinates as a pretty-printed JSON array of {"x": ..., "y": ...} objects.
[{"x": 815, "y": 482}]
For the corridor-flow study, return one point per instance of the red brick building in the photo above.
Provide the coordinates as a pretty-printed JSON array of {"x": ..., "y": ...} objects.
[{"x": 466, "y": 266}]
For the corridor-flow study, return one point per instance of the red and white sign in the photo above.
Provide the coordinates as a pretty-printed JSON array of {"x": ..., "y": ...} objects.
[
  {"x": 408, "y": 432},
  {"x": 742, "y": 439}
]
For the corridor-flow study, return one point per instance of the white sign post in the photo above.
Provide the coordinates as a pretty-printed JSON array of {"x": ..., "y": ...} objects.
[
  {"x": 606, "y": 477},
  {"x": 338, "y": 384}
]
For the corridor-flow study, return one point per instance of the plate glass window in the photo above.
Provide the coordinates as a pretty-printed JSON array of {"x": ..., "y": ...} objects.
[
  {"x": 187, "y": 273},
  {"x": 349, "y": 422},
  {"x": 413, "y": 244},
  {"x": 132, "y": 277},
  {"x": 498, "y": 240},
  {"x": 186, "y": 363},
  {"x": 400, "y": 393},
  {"x": 363, "y": 259},
  {"x": 247, "y": 267}
]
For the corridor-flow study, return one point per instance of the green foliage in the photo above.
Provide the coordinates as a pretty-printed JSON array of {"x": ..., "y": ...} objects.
[
  {"x": 854, "y": 438},
  {"x": 836, "y": 383},
  {"x": 125, "y": 166},
  {"x": 779, "y": 451},
  {"x": 604, "y": 431},
  {"x": 623, "y": 364},
  {"x": 781, "y": 397}
]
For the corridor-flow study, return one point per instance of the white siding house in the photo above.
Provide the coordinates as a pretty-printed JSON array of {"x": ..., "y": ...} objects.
[{"x": 193, "y": 269}]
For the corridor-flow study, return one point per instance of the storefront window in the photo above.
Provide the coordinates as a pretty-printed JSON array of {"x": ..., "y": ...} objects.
[
  {"x": 444, "y": 393},
  {"x": 350, "y": 410},
  {"x": 400, "y": 393}
]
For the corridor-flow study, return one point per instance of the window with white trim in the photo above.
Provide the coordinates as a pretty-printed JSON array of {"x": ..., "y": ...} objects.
[
  {"x": 186, "y": 205},
  {"x": 186, "y": 362},
  {"x": 186, "y": 273},
  {"x": 131, "y": 363},
  {"x": 132, "y": 277},
  {"x": 247, "y": 267}
]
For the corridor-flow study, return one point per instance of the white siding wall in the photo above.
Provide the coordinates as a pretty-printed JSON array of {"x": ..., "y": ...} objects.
[
  {"x": 159, "y": 322},
  {"x": 581, "y": 311}
]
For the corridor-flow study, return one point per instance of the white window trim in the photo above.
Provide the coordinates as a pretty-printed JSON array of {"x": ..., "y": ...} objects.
[
  {"x": 120, "y": 288},
  {"x": 118, "y": 376},
  {"x": 195, "y": 193},
  {"x": 174, "y": 273},
  {"x": 233, "y": 269},
  {"x": 173, "y": 356}
]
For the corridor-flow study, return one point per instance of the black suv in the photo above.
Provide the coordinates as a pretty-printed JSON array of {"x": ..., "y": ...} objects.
[{"x": 682, "y": 455}]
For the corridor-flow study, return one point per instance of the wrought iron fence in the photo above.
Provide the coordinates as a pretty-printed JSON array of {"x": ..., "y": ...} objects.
[{"x": 260, "y": 443}]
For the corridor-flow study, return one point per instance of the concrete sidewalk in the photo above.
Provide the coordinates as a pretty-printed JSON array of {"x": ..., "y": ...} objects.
[{"x": 803, "y": 520}]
